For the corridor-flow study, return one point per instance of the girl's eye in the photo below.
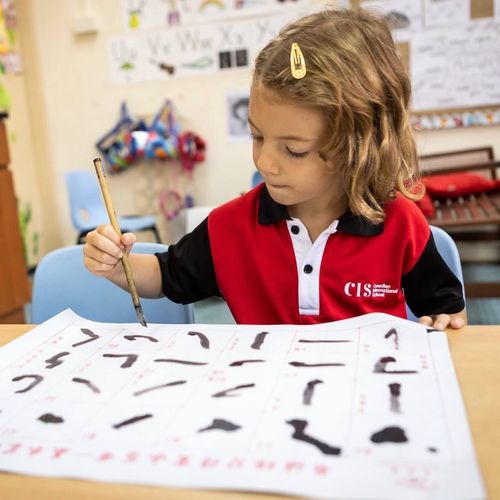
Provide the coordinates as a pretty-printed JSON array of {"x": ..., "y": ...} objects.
[
  {"x": 296, "y": 154},
  {"x": 256, "y": 138}
]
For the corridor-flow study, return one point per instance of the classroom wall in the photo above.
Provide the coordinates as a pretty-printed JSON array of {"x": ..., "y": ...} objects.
[{"x": 64, "y": 101}]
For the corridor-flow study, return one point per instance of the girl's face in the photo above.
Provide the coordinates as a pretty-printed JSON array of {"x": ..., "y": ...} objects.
[{"x": 286, "y": 143}]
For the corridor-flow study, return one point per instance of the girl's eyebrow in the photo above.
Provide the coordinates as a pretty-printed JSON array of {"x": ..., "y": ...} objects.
[{"x": 285, "y": 137}]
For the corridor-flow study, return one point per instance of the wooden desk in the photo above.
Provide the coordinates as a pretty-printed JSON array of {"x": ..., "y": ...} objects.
[{"x": 476, "y": 355}]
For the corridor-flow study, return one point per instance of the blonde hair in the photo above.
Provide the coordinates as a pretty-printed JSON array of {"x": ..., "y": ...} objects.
[{"x": 356, "y": 78}]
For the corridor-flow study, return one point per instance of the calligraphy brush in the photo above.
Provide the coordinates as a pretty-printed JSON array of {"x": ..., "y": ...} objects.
[{"x": 114, "y": 222}]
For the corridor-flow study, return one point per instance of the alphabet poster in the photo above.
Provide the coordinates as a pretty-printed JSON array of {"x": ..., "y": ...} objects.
[
  {"x": 366, "y": 408},
  {"x": 191, "y": 50}
]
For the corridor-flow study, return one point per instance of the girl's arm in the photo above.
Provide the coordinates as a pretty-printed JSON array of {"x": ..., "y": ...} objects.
[{"x": 103, "y": 250}]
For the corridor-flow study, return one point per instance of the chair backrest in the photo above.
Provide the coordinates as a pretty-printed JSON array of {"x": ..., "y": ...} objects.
[
  {"x": 194, "y": 216},
  {"x": 85, "y": 200},
  {"x": 256, "y": 179},
  {"x": 61, "y": 281},
  {"x": 449, "y": 251}
]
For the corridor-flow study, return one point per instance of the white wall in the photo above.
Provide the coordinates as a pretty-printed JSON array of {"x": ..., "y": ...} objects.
[{"x": 69, "y": 102}]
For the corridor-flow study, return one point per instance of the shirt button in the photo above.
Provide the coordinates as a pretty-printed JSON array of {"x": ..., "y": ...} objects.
[
  {"x": 295, "y": 229},
  {"x": 308, "y": 269}
]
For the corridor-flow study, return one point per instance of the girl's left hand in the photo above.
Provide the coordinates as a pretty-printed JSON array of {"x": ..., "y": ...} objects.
[{"x": 442, "y": 321}]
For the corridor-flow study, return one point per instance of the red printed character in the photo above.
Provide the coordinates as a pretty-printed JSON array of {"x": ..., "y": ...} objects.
[
  {"x": 321, "y": 469},
  {"x": 209, "y": 462},
  {"x": 182, "y": 461},
  {"x": 105, "y": 456},
  {"x": 155, "y": 458}
]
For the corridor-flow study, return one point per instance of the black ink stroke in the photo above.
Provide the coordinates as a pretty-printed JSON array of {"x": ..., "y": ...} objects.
[
  {"x": 299, "y": 427},
  {"x": 131, "y": 359},
  {"x": 204, "y": 342},
  {"x": 88, "y": 332},
  {"x": 299, "y": 364},
  {"x": 389, "y": 435},
  {"x": 49, "y": 418},
  {"x": 36, "y": 380},
  {"x": 180, "y": 361},
  {"x": 222, "y": 425},
  {"x": 309, "y": 391},
  {"x": 380, "y": 366},
  {"x": 160, "y": 386},
  {"x": 226, "y": 393},
  {"x": 55, "y": 360},
  {"x": 393, "y": 332},
  {"x": 132, "y": 420},
  {"x": 133, "y": 337},
  {"x": 395, "y": 390},
  {"x": 243, "y": 361},
  {"x": 86, "y": 382},
  {"x": 259, "y": 340}
]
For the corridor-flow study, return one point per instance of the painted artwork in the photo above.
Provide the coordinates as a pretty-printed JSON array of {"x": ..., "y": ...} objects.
[
  {"x": 143, "y": 15},
  {"x": 237, "y": 116},
  {"x": 10, "y": 61},
  {"x": 358, "y": 409}
]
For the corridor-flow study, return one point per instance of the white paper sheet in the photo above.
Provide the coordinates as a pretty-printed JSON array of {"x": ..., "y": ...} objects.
[
  {"x": 366, "y": 408},
  {"x": 404, "y": 16},
  {"x": 456, "y": 68},
  {"x": 446, "y": 12}
]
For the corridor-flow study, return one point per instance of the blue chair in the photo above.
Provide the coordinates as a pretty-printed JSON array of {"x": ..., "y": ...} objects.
[
  {"x": 88, "y": 211},
  {"x": 61, "y": 280},
  {"x": 448, "y": 249},
  {"x": 256, "y": 178}
]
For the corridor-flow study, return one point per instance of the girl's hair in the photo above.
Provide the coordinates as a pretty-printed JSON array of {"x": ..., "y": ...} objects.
[{"x": 356, "y": 78}]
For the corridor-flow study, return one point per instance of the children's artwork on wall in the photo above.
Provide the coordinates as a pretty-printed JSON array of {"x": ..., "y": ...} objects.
[
  {"x": 456, "y": 67},
  {"x": 124, "y": 144},
  {"x": 10, "y": 61},
  {"x": 144, "y": 15},
  {"x": 478, "y": 118},
  {"x": 199, "y": 49},
  {"x": 403, "y": 16},
  {"x": 237, "y": 116},
  {"x": 363, "y": 408},
  {"x": 446, "y": 12}
]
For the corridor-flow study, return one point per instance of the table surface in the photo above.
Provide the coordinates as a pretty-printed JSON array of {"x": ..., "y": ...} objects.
[{"x": 476, "y": 355}]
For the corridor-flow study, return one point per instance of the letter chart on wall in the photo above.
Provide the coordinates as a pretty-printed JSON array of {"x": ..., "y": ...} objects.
[{"x": 363, "y": 408}]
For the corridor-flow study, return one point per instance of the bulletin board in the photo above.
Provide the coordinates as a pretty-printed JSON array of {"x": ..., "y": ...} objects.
[{"x": 451, "y": 49}]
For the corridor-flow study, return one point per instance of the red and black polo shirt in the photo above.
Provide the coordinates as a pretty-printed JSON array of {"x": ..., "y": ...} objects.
[{"x": 263, "y": 263}]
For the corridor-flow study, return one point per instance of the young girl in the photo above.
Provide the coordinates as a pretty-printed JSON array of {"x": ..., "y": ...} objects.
[{"x": 332, "y": 232}]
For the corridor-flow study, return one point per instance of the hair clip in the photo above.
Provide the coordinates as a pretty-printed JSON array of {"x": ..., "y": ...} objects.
[{"x": 297, "y": 62}]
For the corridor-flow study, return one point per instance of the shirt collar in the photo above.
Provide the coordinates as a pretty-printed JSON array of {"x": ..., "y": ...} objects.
[{"x": 271, "y": 212}]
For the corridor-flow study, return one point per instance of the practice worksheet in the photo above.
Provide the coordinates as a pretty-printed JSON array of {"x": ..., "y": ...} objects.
[{"x": 366, "y": 408}]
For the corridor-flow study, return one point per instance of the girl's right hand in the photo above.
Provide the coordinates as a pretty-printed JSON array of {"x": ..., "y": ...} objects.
[{"x": 103, "y": 250}]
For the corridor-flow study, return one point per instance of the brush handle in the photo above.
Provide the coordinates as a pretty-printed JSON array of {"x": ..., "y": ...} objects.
[{"x": 114, "y": 222}]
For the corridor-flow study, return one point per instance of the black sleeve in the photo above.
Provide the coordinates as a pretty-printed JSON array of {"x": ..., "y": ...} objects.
[
  {"x": 187, "y": 268},
  {"x": 431, "y": 287}
]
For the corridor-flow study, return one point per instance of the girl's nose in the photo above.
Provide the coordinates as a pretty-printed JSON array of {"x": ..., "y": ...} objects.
[{"x": 267, "y": 162}]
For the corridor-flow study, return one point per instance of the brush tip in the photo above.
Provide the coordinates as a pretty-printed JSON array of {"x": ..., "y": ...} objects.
[{"x": 140, "y": 316}]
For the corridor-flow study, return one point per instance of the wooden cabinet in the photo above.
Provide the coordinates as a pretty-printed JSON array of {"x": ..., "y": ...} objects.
[{"x": 14, "y": 285}]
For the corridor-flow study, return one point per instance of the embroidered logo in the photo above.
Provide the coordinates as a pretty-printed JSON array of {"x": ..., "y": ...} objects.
[{"x": 359, "y": 289}]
